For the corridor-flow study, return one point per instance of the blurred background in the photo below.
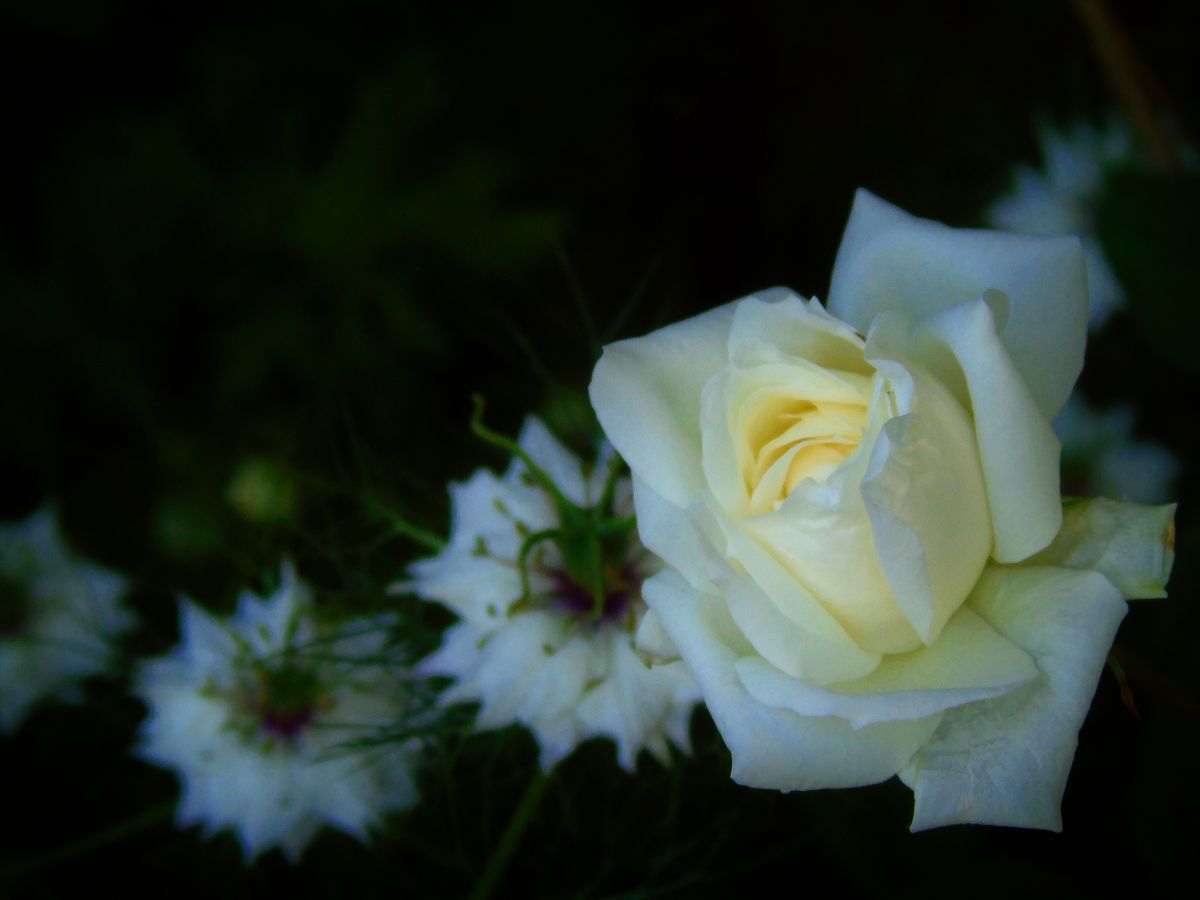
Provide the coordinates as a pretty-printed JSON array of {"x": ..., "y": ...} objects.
[{"x": 255, "y": 262}]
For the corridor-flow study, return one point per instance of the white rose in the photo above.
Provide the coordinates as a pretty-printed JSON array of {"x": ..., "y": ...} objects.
[{"x": 842, "y": 498}]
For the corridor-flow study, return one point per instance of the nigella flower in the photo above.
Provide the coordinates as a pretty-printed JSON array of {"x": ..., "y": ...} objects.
[
  {"x": 265, "y": 717},
  {"x": 1101, "y": 457},
  {"x": 59, "y": 617},
  {"x": 544, "y": 569},
  {"x": 1062, "y": 198}
]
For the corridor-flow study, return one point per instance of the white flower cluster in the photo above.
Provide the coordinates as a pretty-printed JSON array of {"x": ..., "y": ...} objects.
[
  {"x": 258, "y": 715},
  {"x": 546, "y": 657},
  {"x": 59, "y": 617},
  {"x": 1062, "y": 198}
]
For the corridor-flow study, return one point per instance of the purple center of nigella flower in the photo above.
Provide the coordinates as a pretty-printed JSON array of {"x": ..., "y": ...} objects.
[
  {"x": 286, "y": 725},
  {"x": 578, "y": 600},
  {"x": 285, "y": 699}
]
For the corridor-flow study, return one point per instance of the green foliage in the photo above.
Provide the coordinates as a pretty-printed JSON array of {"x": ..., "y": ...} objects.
[{"x": 1150, "y": 227}]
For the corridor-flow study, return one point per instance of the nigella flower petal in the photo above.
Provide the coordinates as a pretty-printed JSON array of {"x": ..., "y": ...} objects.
[
  {"x": 552, "y": 662},
  {"x": 67, "y": 616},
  {"x": 255, "y": 727},
  {"x": 562, "y": 466}
]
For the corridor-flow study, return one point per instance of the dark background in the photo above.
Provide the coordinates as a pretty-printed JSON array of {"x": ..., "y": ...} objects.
[{"x": 302, "y": 239}]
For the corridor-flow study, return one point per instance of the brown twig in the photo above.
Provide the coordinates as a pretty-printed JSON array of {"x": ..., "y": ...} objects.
[{"x": 1139, "y": 93}]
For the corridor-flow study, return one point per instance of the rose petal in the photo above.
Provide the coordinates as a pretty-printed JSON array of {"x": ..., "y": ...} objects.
[
  {"x": 672, "y": 534},
  {"x": 744, "y": 409},
  {"x": 646, "y": 393},
  {"x": 925, "y": 496},
  {"x": 970, "y": 661},
  {"x": 1017, "y": 446},
  {"x": 889, "y": 259},
  {"x": 780, "y": 322},
  {"x": 823, "y": 547},
  {"x": 1005, "y": 761},
  {"x": 791, "y": 647},
  {"x": 1132, "y": 544},
  {"x": 780, "y": 617},
  {"x": 773, "y": 748}
]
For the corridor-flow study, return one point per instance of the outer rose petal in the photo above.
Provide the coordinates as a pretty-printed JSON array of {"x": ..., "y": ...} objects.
[
  {"x": 1017, "y": 446},
  {"x": 773, "y": 748},
  {"x": 782, "y": 322},
  {"x": 672, "y": 534},
  {"x": 970, "y": 661},
  {"x": 1005, "y": 761},
  {"x": 892, "y": 260},
  {"x": 924, "y": 489},
  {"x": 646, "y": 393},
  {"x": 1131, "y": 544}
]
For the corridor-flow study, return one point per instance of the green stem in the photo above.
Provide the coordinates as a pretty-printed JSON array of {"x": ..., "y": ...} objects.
[
  {"x": 527, "y": 547},
  {"x": 426, "y": 539},
  {"x": 610, "y": 484},
  {"x": 521, "y": 817},
  {"x": 508, "y": 445},
  {"x": 110, "y": 835}
]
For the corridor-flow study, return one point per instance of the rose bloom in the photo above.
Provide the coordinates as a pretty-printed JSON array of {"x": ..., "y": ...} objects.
[{"x": 849, "y": 502}]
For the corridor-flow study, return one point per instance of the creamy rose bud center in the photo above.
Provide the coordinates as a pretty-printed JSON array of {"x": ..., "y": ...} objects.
[
  {"x": 788, "y": 438},
  {"x": 845, "y": 481}
]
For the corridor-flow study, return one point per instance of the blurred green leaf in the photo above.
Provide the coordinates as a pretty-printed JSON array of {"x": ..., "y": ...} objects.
[{"x": 1150, "y": 227}]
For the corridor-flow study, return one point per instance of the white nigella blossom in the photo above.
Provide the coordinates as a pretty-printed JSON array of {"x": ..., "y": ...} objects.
[
  {"x": 1063, "y": 196},
  {"x": 544, "y": 569},
  {"x": 258, "y": 714},
  {"x": 1101, "y": 458},
  {"x": 59, "y": 617}
]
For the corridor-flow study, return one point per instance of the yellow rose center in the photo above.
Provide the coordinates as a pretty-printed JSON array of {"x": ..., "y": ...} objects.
[{"x": 786, "y": 439}]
